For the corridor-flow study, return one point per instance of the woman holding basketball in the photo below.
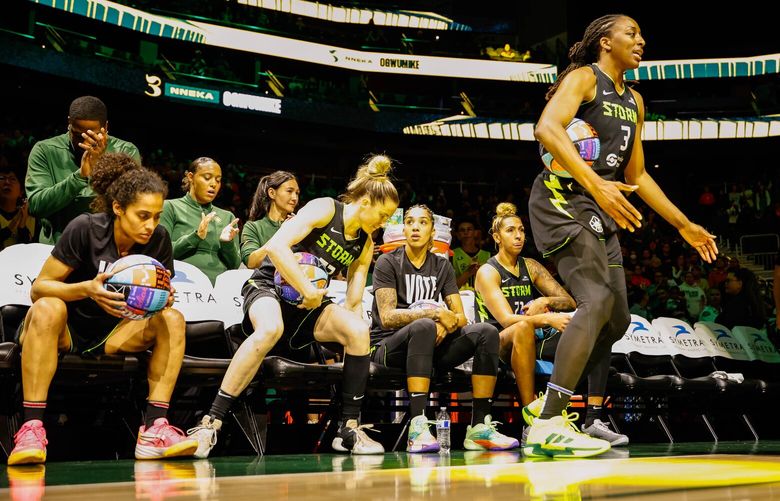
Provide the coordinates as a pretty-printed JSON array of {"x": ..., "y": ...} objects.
[
  {"x": 419, "y": 339},
  {"x": 338, "y": 234},
  {"x": 203, "y": 234},
  {"x": 72, "y": 311},
  {"x": 275, "y": 200},
  {"x": 575, "y": 220}
]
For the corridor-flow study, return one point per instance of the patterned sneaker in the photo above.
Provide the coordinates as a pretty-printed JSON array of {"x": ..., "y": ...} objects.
[
  {"x": 484, "y": 436},
  {"x": 161, "y": 440},
  {"x": 30, "y": 444},
  {"x": 558, "y": 437},
  {"x": 420, "y": 438},
  {"x": 534, "y": 409},
  {"x": 352, "y": 438},
  {"x": 206, "y": 435},
  {"x": 600, "y": 429}
]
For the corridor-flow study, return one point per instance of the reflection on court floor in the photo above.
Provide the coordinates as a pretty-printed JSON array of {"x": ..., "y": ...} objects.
[{"x": 475, "y": 475}]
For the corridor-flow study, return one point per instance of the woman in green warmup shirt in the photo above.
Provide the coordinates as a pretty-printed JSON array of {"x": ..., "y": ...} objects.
[
  {"x": 203, "y": 235},
  {"x": 275, "y": 200}
]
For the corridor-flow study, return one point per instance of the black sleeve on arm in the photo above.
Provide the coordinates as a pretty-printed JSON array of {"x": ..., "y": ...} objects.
[{"x": 72, "y": 246}]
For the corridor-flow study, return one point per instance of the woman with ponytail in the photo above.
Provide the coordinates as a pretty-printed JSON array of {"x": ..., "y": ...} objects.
[
  {"x": 203, "y": 234},
  {"x": 575, "y": 217},
  {"x": 275, "y": 200},
  {"x": 338, "y": 233},
  {"x": 73, "y": 312}
]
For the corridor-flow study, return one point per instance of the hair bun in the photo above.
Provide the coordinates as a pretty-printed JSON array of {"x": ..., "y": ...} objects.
[
  {"x": 505, "y": 209},
  {"x": 379, "y": 166}
]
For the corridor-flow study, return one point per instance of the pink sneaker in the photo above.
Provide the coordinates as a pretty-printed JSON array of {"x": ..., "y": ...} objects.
[
  {"x": 161, "y": 440},
  {"x": 30, "y": 443}
]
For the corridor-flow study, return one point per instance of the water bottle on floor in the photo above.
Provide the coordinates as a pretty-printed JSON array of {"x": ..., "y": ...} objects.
[{"x": 443, "y": 430}]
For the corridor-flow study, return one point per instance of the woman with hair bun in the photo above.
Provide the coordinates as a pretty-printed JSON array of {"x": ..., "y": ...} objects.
[
  {"x": 203, "y": 235},
  {"x": 73, "y": 312},
  {"x": 338, "y": 234},
  {"x": 519, "y": 296},
  {"x": 276, "y": 199}
]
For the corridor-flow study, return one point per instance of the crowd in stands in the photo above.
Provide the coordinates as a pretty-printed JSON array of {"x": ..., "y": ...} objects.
[{"x": 664, "y": 278}]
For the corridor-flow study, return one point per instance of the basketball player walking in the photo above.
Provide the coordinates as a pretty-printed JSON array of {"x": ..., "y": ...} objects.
[{"x": 576, "y": 220}]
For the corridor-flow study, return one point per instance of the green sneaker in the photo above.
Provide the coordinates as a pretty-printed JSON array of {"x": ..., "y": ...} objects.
[{"x": 485, "y": 437}]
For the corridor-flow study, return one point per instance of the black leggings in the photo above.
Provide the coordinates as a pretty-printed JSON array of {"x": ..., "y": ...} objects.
[
  {"x": 413, "y": 347},
  {"x": 602, "y": 310}
]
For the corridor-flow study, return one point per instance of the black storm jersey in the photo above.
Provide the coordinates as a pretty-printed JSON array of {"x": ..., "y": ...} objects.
[
  {"x": 614, "y": 116},
  {"x": 328, "y": 244},
  {"x": 518, "y": 290}
]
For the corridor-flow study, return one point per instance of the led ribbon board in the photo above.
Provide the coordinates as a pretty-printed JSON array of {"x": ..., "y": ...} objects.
[
  {"x": 328, "y": 55},
  {"x": 458, "y": 126},
  {"x": 358, "y": 15}
]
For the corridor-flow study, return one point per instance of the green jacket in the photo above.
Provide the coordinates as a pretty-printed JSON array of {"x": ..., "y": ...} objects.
[
  {"x": 181, "y": 217},
  {"x": 56, "y": 193},
  {"x": 255, "y": 234}
]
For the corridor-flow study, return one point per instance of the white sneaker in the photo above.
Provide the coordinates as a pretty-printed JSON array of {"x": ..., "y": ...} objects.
[
  {"x": 206, "y": 435},
  {"x": 558, "y": 437},
  {"x": 600, "y": 429},
  {"x": 534, "y": 409},
  {"x": 420, "y": 437},
  {"x": 352, "y": 438}
]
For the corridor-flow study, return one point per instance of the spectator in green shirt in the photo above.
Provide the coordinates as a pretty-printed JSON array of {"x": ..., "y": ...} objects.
[
  {"x": 59, "y": 168},
  {"x": 202, "y": 234},
  {"x": 275, "y": 200}
]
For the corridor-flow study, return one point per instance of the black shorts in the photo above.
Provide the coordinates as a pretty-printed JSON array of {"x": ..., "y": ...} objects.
[
  {"x": 87, "y": 336},
  {"x": 298, "y": 323},
  {"x": 558, "y": 213}
]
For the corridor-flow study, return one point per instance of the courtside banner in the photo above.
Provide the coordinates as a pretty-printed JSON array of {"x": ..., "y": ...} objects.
[
  {"x": 680, "y": 338},
  {"x": 19, "y": 267},
  {"x": 642, "y": 337},
  {"x": 299, "y": 50},
  {"x": 720, "y": 340},
  {"x": 757, "y": 344}
]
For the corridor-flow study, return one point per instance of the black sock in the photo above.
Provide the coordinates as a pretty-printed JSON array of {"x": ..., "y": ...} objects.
[
  {"x": 417, "y": 403},
  {"x": 480, "y": 407},
  {"x": 593, "y": 413},
  {"x": 155, "y": 410},
  {"x": 557, "y": 399},
  {"x": 33, "y": 410},
  {"x": 353, "y": 385},
  {"x": 221, "y": 405}
]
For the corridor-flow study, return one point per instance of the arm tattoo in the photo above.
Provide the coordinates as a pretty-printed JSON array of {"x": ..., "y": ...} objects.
[
  {"x": 395, "y": 318},
  {"x": 557, "y": 297}
]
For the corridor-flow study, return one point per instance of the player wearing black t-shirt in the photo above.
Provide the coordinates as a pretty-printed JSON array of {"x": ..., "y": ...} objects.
[
  {"x": 72, "y": 311},
  {"x": 435, "y": 335},
  {"x": 339, "y": 235}
]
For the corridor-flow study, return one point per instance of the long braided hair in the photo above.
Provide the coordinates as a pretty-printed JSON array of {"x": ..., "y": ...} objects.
[{"x": 587, "y": 50}]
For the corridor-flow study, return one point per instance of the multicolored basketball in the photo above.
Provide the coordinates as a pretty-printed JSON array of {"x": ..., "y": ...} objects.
[
  {"x": 585, "y": 139},
  {"x": 143, "y": 281},
  {"x": 425, "y": 304},
  {"x": 310, "y": 266}
]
